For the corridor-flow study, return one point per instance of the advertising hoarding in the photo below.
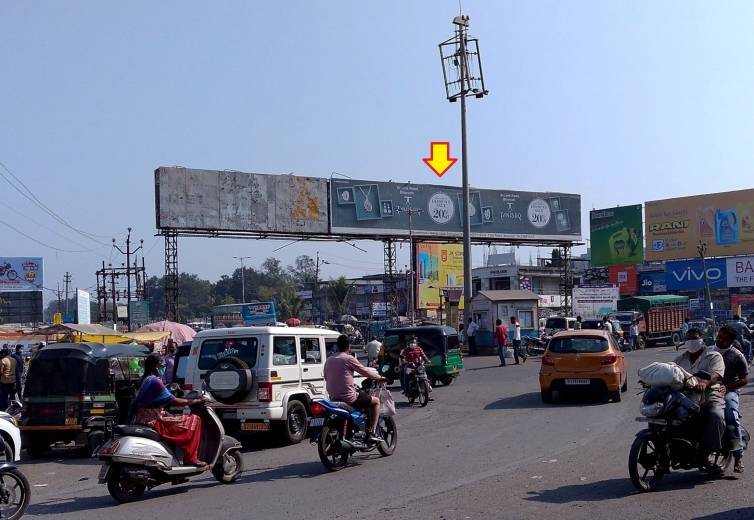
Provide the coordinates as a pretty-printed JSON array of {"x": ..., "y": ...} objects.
[
  {"x": 594, "y": 301},
  {"x": 652, "y": 283},
  {"x": 21, "y": 307},
  {"x": 373, "y": 208},
  {"x": 83, "y": 307},
  {"x": 616, "y": 236},
  {"x": 21, "y": 273},
  {"x": 438, "y": 266},
  {"x": 740, "y": 271},
  {"x": 139, "y": 313},
  {"x": 625, "y": 277},
  {"x": 724, "y": 221},
  {"x": 688, "y": 275},
  {"x": 190, "y": 199}
]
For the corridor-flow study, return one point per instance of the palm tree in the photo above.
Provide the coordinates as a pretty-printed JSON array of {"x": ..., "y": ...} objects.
[
  {"x": 340, "y": 295},
  {"x": 289, "y": 304}
]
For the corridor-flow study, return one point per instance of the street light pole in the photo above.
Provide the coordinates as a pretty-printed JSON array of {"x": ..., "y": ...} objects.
[
  {"x": 243, "y": 277},
  {"x": 315, "y": 290},
  {"x": 702, "y": 250}
]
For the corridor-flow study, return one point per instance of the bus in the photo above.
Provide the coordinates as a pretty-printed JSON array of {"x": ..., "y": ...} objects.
[{"x": 258, "y": 314}]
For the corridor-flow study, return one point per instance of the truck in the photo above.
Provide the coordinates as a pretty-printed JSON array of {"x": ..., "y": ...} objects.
[{"x": 660, "y": 317}]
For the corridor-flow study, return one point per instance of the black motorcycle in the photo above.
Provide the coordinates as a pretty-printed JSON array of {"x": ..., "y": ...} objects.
[
  {"x": 535, "y": 346},
  {"x": 417, "y": 384},
  {"x": 15, "y": 491},
  {"x": 340, "y": 431},
  {"x": 673, "y": 439}
]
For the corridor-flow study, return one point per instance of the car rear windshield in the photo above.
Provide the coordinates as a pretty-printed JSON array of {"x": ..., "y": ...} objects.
[
  {"x": 577, "y": 345},
  {"x": 214, "y": 350},
  {"x": 66, "y": 377},
  {"x": 556, "y": 323}
]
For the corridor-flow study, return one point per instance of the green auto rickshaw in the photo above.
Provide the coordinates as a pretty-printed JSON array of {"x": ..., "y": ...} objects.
[
  {"x": 439, "y": 342},
  {"x": 76, "y": 392}
]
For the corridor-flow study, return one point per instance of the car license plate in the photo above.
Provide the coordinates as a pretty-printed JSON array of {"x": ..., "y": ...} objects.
[
  {"x": 255, "y": 427},
  {"x": 577, "y": 381},
  {"x": 315, "y": 422}
]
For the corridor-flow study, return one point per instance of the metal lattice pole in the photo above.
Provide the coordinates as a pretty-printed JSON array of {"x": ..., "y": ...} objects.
[{"x": 171, "y": 275}]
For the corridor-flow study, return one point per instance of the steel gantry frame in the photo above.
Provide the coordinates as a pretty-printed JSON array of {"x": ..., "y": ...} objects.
[{"x": 171, "y": 274}]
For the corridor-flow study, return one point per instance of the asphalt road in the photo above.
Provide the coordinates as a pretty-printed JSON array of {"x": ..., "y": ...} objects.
[{"x": 485, "y": 448}]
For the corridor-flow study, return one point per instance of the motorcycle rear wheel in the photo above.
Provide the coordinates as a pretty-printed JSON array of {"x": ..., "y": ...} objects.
[
  {"x": 328, "y": 447},
  {"x": 121, "y": 488},
  {"x": 643, "y": 464},
  {"x": 389, "y": 434},
  {"x": 15, "y": 492}
]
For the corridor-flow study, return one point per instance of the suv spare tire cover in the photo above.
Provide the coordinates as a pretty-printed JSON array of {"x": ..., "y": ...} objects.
[{"x": 231, "y": 364}]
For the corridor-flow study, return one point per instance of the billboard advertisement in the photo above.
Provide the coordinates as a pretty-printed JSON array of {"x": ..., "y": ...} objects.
[
  {"x": 594, "y": 301},
  {"x": 616, "y": 236},
  {"x": 688, "y": 275},
  {"x": 652, "y": 283},
  {"x": 625, "y": 277},
  {"x": 438, "y": 266},
  {"x": 21, "y": 307},
  {"x": 740, "y": 271},
  {"x": 83, "y": 307},
  {"x": 373, "y": 208},
  {"x": 189, "y": 199},
  {"x": 21, "y": 273},
  {"x": 724, "y": 221}
]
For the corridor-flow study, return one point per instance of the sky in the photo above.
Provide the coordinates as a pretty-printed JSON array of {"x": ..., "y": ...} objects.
[{"x": 621, "y": 102}]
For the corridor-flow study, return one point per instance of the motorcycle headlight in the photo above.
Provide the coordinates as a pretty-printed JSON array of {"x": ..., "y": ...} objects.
[{"x": 651, "y": 410}]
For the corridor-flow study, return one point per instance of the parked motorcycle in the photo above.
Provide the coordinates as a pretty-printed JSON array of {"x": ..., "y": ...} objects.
[
  {"x": 672, "y": 440},
  {"x": 340, "y": 431},
  {"x": 535, "y": 346},
  {"x": 417, "y": 384},
  {"x": 391, "y": 371},
  {"x": 137, "y": 457},
  {"x": 15, "y": 490}
]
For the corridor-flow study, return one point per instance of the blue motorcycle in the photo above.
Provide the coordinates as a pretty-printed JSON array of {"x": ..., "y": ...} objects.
[{"x": 340, "y": 431}]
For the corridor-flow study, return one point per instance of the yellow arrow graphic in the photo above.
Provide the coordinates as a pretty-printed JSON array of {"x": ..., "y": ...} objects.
[{"x": 439, "y": 160}]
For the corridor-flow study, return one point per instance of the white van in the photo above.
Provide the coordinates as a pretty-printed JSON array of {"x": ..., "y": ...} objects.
[{"x": 262, "y": 377}]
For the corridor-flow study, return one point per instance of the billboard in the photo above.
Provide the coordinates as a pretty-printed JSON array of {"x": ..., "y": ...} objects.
[
  {"x": 616, "y": 236},
  {"x": 83, "y": 307},
  {"x": 438, "y": 266},
  {"x": 373, "y": 208},
  {"x": 594, "y": 301},
  {"x": 21, "y": 307},
  {"x": 652, "y": 283},
  {"x": 625, "y": 277},
  {"x": 138, "y": 311},
  {"x": 688, "y": 275},
  {"x": 740, "y": 271},
  {"x": 21, "y": 273},
  {"x": 724, "y": 221},
  {"x": 190, "y": 199}
]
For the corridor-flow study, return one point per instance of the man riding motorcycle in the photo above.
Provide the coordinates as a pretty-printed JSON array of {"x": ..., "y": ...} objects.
[
  {"x": 341, "y": 386},
  {"x": 699, "y": 358},
  {"x": 736, "y": 376},
  {"x": 411, "y": 356}
]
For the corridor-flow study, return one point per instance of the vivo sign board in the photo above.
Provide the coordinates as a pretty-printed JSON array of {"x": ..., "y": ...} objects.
[{"x": 689, "y": 274}]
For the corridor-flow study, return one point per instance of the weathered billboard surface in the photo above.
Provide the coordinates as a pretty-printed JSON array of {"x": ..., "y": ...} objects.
[
  {"x": 371, "y": 208},
  {"x": 189, "y": 199},
  {"x": 724, "y": 221}
]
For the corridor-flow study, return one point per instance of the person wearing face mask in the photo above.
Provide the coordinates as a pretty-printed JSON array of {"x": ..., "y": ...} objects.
[
  {"x": 736, "y": 375},
  {"x": 699, "y": 358}
]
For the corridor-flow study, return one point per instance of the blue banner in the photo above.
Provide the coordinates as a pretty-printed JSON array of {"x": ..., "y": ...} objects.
[
  {"x": 652, "y": 283},
  {"x": 21, "y": 273},
  {"x": 688, "y": 275}
]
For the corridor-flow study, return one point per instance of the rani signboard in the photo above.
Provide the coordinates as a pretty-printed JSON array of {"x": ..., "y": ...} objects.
[{"x": 372, "y": 208}]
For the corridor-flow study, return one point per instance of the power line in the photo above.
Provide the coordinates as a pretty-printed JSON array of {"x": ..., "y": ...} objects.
[
  {"x": 41, "y": 243},
  {"x": 33, "y": 198}
]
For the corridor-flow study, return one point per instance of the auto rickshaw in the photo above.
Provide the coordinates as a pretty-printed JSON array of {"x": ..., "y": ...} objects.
[
  {"x": 76, "y": 392},
  {"x": 439, "y": 342}
]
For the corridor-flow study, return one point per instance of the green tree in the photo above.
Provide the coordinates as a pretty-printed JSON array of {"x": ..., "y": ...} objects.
[
  {"x": 288, "y": 304},
  {"x": 339, "y": 292}
]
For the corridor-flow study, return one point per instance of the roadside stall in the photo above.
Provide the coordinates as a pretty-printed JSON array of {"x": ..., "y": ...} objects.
[{"x": 489, "y": 306}]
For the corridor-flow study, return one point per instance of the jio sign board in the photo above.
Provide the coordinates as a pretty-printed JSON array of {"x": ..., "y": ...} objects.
[{"x": 688, "y": 275}]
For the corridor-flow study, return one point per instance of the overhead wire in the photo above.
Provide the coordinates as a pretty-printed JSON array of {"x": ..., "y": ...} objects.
[{"x": 60, "y": 250}]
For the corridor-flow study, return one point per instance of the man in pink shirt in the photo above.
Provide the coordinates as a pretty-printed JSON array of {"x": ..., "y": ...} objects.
[{"x": 341, "y": 386}]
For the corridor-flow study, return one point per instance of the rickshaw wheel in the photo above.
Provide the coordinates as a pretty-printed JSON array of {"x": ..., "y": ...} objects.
[{"x": 446, "y": 379}]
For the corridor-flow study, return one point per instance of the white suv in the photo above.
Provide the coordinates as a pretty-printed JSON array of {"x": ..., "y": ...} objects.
[{"x": 262, "y": 377}]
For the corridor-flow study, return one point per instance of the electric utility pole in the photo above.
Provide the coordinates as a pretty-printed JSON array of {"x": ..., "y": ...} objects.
[
  {"x": 243, "y": 276},
  {"x": 462, "y": 73},
  {"x": 129, "y": 270},
  {"x": 410, "y": 211},
  {"x": 702, "y": 250},
  {"x": 67, "y": 280},
  {"x": 315, "y": 291}
]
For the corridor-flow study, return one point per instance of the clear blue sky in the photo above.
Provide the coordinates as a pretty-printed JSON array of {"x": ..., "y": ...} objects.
[{"x": 620, "y": 101}]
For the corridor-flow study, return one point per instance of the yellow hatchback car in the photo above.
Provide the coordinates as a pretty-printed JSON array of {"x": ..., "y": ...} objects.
[{"x": 583, "y": 360}]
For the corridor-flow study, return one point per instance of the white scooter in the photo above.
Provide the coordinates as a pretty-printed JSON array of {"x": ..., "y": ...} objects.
[{"x": 137, "y": 458}]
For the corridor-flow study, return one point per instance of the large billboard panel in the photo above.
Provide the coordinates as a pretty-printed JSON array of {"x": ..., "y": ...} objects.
[
  {"x": 21, "y": 307},
  {"x": 21, "y": 273},
  {"x": 724, "y": 221},
  {"x": 374, "y": 208},
  {"x": 740, "y": 271},
  {"x": 594, "y": 301},
  {"x": 189, "y": 199},
  {"x": 83, "y": 307},
  {"x": 688, "y": 275},
  {"x": 438, "y": 266},
  {"x": 616, "y": 236},
  {"x": 626, "y": 277}
]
